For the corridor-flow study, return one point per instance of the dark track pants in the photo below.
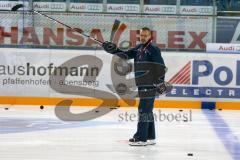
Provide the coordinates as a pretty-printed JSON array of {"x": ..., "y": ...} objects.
[{"x": 146, "y": 126}]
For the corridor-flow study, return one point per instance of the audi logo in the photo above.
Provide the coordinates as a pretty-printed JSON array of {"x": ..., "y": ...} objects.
[
  {"x": 168, "y": 9},
  {"x": 56, "y": 6},
  {"x": 131, "y": 8},
  {"x": 205, "y": 10},
  {"x": 93, "y": 7}
]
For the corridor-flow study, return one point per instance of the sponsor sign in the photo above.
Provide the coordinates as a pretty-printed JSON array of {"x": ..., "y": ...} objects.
[
  {"x": 86, "y": 7},
  {"x": 123, "y": 8},
  {"x": 26, "y": 72},
  {"x": 197, "y": 10},
  {"x": 160, "y": 9},
  {"x": 223, "y": 48},
  {"x": 7, "y": 5},
  {"x": 168, "y": 31},
  {"x": 49, "y": 6},
  {"x": 208, "y": 76}
]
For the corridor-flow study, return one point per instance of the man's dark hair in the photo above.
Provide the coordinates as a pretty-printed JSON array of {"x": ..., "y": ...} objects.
[{"x": 146, "y": 29}]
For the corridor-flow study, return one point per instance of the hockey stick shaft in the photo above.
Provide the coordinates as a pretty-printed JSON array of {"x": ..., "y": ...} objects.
[
  {"x": 57, "y": 21},
  {"x": 15, "y": 8}
]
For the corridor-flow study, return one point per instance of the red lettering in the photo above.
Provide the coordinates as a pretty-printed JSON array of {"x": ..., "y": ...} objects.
[
  {"x": 74, "y": 34},
  {"x": 197, "y": 40},
  {"x": 134, "y": 37},
  {"x": 173, "y": 38},
  {"x": 13, "y": 35},
  {"x": 154, "y": 37},
  {"x": 48, "y": 34},
  {"x": 95, "y": 33},
  {"x": 29, "y": 36}
]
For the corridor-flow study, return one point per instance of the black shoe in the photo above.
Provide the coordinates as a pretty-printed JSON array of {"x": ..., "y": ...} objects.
[
  {"x": 132, "y": 140},
  {"x": 136, "y": 142}
]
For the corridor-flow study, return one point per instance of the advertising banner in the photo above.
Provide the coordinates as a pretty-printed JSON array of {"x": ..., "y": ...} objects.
[
  {"x": 183, "y": 32},
  {"x": 26, "y": 72},
  {"x": 49, "y": 6},
  {"x": 205, "y": 76},
  {"x": 223, "y": 48},
  {"x": 86, "y": 7},
  {"x": 49, "y": 73},
  {"x": 7, "y": 5},
  {"x": 197, "y": 10},
  {"x": 160, "y": 9},
  {"x": 123, "y": 8}
]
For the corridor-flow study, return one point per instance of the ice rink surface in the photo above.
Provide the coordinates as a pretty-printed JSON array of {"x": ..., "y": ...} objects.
[{"x": 29, "y": 133}]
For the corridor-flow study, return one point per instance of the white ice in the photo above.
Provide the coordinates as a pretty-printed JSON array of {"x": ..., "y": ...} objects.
[{"x": 29, "y": 133}]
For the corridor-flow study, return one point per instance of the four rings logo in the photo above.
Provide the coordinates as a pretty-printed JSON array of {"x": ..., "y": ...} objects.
[
  {"x": 168, "y": 9},
  {"x": 57, "y": 6},
  {"x": 206, "y": 10},
  {"x": 131, "y": 8},
  {"x": 93, "y": 7}
]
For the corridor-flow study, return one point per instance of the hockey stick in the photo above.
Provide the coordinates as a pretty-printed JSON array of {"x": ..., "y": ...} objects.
[
  {"x": 18, "y": 6},
  {"x": 115, "y": 26}
]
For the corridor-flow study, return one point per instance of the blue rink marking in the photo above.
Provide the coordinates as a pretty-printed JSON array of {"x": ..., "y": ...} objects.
[
  {"x": 225, "y": 134},
  {"x": 19, "y": 125}
]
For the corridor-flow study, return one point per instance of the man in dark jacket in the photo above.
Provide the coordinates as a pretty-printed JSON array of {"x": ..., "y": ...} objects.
[{"x": 146, "y": 55}]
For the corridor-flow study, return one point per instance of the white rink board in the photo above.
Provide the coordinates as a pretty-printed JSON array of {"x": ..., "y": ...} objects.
[{"x": 221, "y": 72}]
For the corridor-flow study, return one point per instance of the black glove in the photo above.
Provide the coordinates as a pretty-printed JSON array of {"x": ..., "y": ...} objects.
[
  {"x": 163, "y": 87},
  {"x": 109, "y": 47}
]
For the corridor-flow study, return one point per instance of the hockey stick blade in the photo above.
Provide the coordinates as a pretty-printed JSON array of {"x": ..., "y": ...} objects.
[
  {"x": 119, "y": 31},
  {"x": 114, "y": 29},
  {"x": 15, "y": 8}
]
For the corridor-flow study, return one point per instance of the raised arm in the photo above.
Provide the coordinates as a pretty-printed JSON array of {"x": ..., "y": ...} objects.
[{"x": 129, "y": 54}]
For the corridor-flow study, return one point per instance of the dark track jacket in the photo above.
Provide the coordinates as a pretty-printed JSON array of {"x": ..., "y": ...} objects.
[{"x": 149, "y": 66}]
